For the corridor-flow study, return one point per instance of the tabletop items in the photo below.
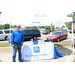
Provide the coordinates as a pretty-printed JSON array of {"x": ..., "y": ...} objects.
[{"x": 40, "y": 42}]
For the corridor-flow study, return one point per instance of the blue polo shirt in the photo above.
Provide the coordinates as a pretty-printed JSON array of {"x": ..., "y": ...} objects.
[{"x": 17, "y": 36}]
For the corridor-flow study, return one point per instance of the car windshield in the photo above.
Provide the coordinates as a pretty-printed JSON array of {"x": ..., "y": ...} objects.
[
  {"x": 8, "y": 31},
  {"x": 65, "y": 30},
  {"x": 45, "y": 30},
  {"x": 55, "y": 33}
]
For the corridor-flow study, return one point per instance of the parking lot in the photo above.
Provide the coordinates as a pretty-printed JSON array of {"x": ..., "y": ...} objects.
[
  {"x": 44, "y": 38},
  {"x": 6, "y": 54},
  {"x": 69, "y": 38}
]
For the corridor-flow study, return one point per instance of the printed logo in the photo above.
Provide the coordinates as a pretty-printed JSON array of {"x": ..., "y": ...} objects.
[{"x": 36, "y": 49}]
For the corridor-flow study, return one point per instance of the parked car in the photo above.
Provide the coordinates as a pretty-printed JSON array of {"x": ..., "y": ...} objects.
[
  {"x": 4, "y": 34},
  {"x": 57, "y": 36},
  {"x": 31, "y": 34},
  {"x": 64, "y": 30},
  {"x": 46, "y": 32},
  {"x": 71, "y": 31},
  {"x": 56, "y": 30},
  {"x": 51, "y": 30}
]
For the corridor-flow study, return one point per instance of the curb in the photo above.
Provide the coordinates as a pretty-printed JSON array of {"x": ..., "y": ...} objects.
[{"x": 5, "y": 48}]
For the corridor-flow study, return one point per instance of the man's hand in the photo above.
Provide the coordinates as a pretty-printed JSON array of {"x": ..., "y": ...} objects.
[
  {"x": 21, "y": 44},
  {"x": 13, "y": 46}
]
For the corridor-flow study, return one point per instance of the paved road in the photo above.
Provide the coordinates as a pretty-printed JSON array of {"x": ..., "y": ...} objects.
[
  {"x": 2, "y": 41},
  {"x": 69, "y": 38}
]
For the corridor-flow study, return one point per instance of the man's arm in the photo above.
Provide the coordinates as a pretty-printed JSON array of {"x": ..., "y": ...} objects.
[{"x": 22, "y": 39}]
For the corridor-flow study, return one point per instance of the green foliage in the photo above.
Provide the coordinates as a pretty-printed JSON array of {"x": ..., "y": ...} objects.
[
  {"x": 69, "y": 24},
  {"x": 30, "y": 27},
  {"x": 45, "y": 27},
  {"x": 71, "y": 15},
  {"x": 7, "y": 26},
  {"x": 1, "y": 27},
  {"x": 53, "y": 27},
  {"x": 62, "y": 27},
  {"x": 13, "y": 26},
  {"x": 57, "y": 28}
]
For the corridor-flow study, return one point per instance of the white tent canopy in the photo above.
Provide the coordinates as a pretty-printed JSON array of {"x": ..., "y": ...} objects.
[
  {"x": 31, "y": 20},
  {"x": 45, "y": 17},
  {"x": 39, "y": 21}
]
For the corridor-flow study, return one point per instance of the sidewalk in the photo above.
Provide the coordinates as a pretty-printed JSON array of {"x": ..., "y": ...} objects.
[{"x": 5, "y": 55}]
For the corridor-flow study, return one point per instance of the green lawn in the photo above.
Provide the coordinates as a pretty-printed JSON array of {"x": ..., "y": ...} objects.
[
  {"x": 4, "y": 45},
  {"x": 56, "y": 44},
  {"x": 62, "y": 43}
]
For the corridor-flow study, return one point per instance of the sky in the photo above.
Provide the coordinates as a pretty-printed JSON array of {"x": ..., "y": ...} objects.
[{"x": 24, "y": 18}]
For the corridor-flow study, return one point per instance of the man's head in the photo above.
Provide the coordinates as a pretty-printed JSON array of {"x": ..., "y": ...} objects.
[{"x": 18, "y": 27}]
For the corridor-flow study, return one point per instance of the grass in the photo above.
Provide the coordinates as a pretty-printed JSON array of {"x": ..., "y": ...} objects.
[
  {"x": 56, "y": 44},
  {"x": 4, "y": 45},
  {"x": 62, "y": 43}
]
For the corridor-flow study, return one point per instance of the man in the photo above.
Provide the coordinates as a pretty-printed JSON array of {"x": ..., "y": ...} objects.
[{"x": 17, "y": 39}]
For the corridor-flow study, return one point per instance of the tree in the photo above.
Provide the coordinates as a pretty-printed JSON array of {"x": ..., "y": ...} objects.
[
  {"x": 52, "y": 27},
  {"x": 71, "y": 15},
  {"x": 45, "y": 27},
  {"x": 69, "y": 24},
  {"x": 57, "y": 27},
  {"x": 62, "y": 27},
  {"x": 31, "y": 27},
  {"x": 1, "y": 26},
  {"x": 6, "y": 26},
  {"x": 13, "y": 26}
]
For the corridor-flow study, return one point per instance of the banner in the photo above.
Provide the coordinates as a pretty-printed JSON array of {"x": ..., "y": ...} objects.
[{"x": 37, "y": 52}]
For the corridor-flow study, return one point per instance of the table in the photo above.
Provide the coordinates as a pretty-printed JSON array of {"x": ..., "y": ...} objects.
[{"x": 47, "y": 50}]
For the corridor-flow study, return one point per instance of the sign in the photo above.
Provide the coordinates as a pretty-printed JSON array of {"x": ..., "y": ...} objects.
[
  {"x": 35, "y": 22},
  {"x": 40, "y": 16},
  {"x": 36, "y": 49}
]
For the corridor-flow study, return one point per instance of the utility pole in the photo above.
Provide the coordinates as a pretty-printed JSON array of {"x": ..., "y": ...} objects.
[
  {"x": 51, "y": 26},
  {"x": 1, "y": 24}
]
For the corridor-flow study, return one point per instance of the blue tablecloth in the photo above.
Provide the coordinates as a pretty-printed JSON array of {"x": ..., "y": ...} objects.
[{"x": 57, "y": 54}]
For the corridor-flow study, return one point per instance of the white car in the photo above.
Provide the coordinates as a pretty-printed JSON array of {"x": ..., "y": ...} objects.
[{"x": 4, "y": 34}]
